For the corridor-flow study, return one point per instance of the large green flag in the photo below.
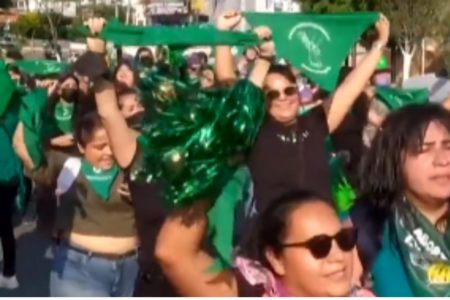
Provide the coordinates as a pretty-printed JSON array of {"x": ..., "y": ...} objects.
[
  {"x": 316, "y": 44},
  {"x": 397, "y": 98},
  {"x": 127, "y": 35}
]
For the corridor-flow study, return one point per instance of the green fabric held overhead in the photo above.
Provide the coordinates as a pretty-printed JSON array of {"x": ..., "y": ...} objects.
[
  {"x": 127, "y": 35},
  {"x": 7, "y": 88},
  {"x": 41, "y": 67},
  {"x": 397, "y": 98},
  {"x": 317, "y": 44}
]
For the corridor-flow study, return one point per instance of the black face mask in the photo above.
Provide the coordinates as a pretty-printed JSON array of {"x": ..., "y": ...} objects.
[
  {"x": 146, "y": 62},
  {"x": 135, "y": 121},
  {"x": 69, "y": 95}
]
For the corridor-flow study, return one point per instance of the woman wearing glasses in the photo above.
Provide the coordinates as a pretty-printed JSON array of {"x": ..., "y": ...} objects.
[
  {"x": 299, "y": 249},
  {"x": 289, "y": 153},
  {"x": 404, "y": 210}
]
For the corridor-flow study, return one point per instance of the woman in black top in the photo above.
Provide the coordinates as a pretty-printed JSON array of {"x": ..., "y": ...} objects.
[{"x": 289, "y": 153}]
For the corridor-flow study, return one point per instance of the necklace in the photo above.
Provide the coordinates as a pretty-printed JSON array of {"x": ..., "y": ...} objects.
[{"x": 292, "y": 138}]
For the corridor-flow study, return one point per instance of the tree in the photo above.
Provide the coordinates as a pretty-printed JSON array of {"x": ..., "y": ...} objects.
[
  {"x": 337, "y": 6},
  {"x": 412, "y": 21},
  {"x": 30, "y": 25}
]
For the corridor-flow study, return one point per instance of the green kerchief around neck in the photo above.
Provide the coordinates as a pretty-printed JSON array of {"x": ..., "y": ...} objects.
[
  {"x": 316, "y": 44},
  {"x": 127, "y": 35},
  {"x": 397, "y": 98},
  {"x": 41, "y": 67},
  {"x": 101, "y": 180},
  {"x": 63, "y": 116},
  {"x": 424, "y": 250}
]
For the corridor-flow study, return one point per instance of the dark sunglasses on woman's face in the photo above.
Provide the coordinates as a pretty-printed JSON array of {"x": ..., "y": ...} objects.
[
  {"x": 276, "y": 94},
  {"x": 320, "y": 245}
]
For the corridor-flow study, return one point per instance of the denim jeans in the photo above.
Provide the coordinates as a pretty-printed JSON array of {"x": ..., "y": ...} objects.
[{"x": 76, "y": 274}]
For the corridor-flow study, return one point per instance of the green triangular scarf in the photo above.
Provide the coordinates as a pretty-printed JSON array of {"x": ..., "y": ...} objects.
[
  {"x": 101, "y": 180},
  {"x": 397, "y": 98},
  {"x": 63, "y": 116},
  {"x": 316, "y": 44},
  {"x": 41, "y": 67}
]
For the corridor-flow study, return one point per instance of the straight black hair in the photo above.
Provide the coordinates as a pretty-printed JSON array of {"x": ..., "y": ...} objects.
[
  {"x": 283, "y": 70},
  {"x": 85, "y": 126},
  {"x": 270, "y": 228}
]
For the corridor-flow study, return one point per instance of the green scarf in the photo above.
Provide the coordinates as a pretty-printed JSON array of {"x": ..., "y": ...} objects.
[
  {"x": 7, "y": 88},
  {"x": 37, "y": 124},
  {"x": 425, "y": 253},
  {"x": 41, "y": 67},
  {"x": 63, "y": 116},
  {"x": 126, "y": 35},
  {"x": 101, "y": 180},
  {"x": 397, "y": 98},
  {"x": 316, "y": 44}
]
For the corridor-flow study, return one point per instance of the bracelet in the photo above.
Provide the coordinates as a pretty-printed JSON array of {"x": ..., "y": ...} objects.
[
  {"x": 378, "y": 46},
  {"x": 269, "y": 59}
]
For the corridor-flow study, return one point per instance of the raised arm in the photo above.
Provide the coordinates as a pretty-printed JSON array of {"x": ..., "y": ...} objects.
[
  {"x": 122, "y": 138},
  {"x": 225, "y": 68},
  {"x": 265, "y": 58},
  {"x": 178, "y": 250},
  {"x": 347, "y": 93}
]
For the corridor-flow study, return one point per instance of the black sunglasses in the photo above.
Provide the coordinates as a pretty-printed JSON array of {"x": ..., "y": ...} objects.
[
  {"x": 320, "y": 246},
  {"x": 275, "y": 94}
]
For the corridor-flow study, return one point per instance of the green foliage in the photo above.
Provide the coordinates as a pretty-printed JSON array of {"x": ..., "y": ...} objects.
[
  {"x": 337, "y": 6},
  {"x": 31, "y": 25}
]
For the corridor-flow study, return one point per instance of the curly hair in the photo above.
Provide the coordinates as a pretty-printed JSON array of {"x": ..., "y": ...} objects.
[{"x": 382, "y": 181}]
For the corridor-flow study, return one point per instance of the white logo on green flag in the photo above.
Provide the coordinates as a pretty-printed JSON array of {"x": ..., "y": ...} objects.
[{"x": 313, "y": 37}]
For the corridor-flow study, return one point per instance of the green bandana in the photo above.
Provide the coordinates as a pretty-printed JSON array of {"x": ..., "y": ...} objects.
[
  {"x": 397, "y": 98},
  {"x": 37, "y": 124},
  {"x": 101, "y": 180},
  {"x": 425, "y": 253},
  {"x": 125, "y": 35},
  {"x": 63, "y": 116},
  {"x": 41, "y": 67},
  {"x": 316, "y": 44}
]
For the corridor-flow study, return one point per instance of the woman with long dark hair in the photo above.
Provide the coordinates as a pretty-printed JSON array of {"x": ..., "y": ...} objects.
[{"x": 403, "y": 212}]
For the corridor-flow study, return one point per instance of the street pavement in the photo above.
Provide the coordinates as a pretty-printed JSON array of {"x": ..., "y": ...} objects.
[{"x": 33, "y": 258}]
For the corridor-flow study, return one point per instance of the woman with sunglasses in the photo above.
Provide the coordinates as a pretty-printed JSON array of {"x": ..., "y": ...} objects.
[
  {"x": 289, "y": 153},
  {"x": 299, "y": 249},
  {"x": 404, "y": 211}
]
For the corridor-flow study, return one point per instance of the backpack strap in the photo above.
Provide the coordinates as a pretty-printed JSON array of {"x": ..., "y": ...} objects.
[{"x": 67, "y": 176}]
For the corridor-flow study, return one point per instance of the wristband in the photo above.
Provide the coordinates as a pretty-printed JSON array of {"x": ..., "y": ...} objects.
[{"x": 378, "y": 45}]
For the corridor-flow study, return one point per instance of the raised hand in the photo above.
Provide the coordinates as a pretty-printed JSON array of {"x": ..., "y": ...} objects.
[
  {"x": 267, "y": 47},
  {"x": 383, "y": 28},
  {"x": 229, "y": 20}
]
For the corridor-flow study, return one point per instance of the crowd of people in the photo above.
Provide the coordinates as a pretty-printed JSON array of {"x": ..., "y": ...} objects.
[{"x": 112, "y": 234}]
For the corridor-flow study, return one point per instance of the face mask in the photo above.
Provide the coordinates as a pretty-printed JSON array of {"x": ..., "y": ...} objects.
[
  {"x": 382, "y": 79},
  {"x": 69, "y": 95},
  {"x": 146, "y": 62},
  {"x": 135, "y": 121}
]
